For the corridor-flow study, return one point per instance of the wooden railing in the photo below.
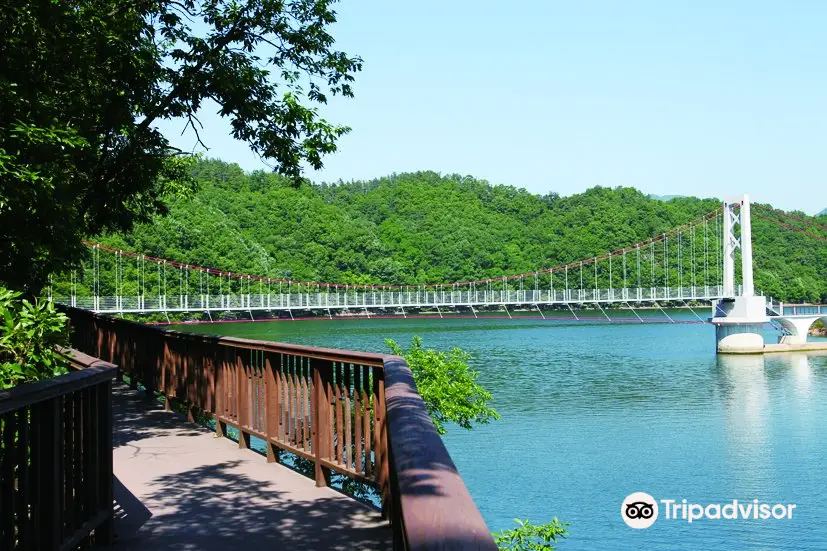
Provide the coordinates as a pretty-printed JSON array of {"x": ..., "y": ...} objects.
[
  {"x": 353, "y": 413},
  {"x": 56, "y": 459}
]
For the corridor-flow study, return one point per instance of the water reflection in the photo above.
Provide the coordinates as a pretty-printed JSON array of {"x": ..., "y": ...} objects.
[
  {"x": 800, "y": 392},
  {"x": 802, "y": 373},
  {"x": 746, "y": 401}
]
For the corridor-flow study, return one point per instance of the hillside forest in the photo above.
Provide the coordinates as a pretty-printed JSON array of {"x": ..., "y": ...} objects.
[{"x": 424, "y": 227}]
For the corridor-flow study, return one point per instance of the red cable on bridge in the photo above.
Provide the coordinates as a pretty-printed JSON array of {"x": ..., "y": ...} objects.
[
  {"x": 572, "y": 265},
  {"x": 794, "y": 217},
  {"x": 789, "y": 227}
]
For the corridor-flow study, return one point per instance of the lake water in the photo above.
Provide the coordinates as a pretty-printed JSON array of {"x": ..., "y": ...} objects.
[{"x": 593, "y": 411}]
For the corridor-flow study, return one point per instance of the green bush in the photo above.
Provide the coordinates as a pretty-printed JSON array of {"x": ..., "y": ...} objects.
[
  {"x": 29, "y": 335},
  {"x": 447, "y": 384},
  {"x": 531, "y": 537}
]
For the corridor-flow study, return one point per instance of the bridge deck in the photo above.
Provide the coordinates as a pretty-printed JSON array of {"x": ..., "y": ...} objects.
[
  {"x": 179, "y": 487},
  {"x": 388, "y": 300}
]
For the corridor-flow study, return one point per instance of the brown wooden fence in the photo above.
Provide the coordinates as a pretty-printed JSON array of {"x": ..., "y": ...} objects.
[
  {"x": 329, "y": 406},
  {"x": 56, "y": 459}
]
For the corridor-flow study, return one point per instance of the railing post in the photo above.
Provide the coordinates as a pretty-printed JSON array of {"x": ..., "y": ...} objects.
[
  {"x": 104, "y": 533},
  {"x": 47, "y": 420},
  {"x": 320, "y": 422},
  {"x": 166, "y": 376},
  {"x": 220, "y": 390},
  {"x": 272, "y": 409},
  {"x": 242, "y": 402},
  {"x": 380, "y": 440}
]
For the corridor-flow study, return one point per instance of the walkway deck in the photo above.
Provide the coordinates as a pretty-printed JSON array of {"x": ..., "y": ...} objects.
[{"x": 178, "y": 487}]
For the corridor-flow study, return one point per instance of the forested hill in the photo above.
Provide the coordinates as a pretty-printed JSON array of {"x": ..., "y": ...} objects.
[{"x": 424, "y": 227}]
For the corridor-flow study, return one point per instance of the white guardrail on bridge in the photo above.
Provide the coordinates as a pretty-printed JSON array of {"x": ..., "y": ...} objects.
[{"x": 377, "y": 299}]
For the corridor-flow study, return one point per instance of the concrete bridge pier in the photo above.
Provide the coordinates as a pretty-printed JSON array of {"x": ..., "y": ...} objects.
[{"x": 739, "y": 324}]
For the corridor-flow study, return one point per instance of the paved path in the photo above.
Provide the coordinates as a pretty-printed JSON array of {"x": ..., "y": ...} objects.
[{"x": 177, "y": 487}]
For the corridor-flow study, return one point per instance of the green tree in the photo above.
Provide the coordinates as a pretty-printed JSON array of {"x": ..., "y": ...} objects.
[
  {"x": 84, "y": 81},
  {"x": 447, "y": 384}
]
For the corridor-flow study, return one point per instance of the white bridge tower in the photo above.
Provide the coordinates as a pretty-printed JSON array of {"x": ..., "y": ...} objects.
[{"x": 739, "y": 315}]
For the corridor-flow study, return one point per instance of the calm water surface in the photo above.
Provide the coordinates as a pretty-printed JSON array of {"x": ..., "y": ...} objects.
[{"x": 592, "y": 412}]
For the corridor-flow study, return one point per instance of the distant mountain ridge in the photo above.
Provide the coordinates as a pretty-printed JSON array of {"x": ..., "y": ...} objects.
[
  {"x": 822, "y": 213},
  {"x": 665, "y": 197}
]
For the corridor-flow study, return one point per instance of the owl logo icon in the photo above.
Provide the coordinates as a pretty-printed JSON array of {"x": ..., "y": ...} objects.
[{"x": 639, "y": 510}]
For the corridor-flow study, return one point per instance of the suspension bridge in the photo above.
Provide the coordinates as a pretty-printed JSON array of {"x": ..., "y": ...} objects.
[{"x": 691, "y": 264}]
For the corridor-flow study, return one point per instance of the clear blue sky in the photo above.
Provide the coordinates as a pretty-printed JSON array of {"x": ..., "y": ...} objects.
[{"x": 671, "y": 97}]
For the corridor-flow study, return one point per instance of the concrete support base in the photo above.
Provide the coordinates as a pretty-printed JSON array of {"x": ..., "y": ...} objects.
[
  {"x": 738, "y": 324},
  {"x": 799, "y": 347},
  {"x": 739, "y": 339}
]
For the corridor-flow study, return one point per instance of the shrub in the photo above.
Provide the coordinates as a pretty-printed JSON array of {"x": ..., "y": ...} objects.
[
  {"x": 447, "y": 384},
  {"x": 29, "y": 336},
  {"x": 531, "y": 537}
]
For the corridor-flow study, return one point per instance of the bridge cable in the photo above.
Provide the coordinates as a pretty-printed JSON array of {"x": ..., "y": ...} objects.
[
  {"x": 185, "y": 268},
  {"x": 706, "y": 255},
  {"x": 610, "y": 274},
  {"x": 717, "y": 245},
  {"x": 551, "y": 282},
  {"x": 595, "y": 275},
  {"x": 680, "y": 261},
  {"x": 638, "y": 266},
  {"x": 624, "y": 269},
  {"x": 789, "y": 227},
  {"x": 692, "y": 240},
  {"x": 787, "y": 215}
]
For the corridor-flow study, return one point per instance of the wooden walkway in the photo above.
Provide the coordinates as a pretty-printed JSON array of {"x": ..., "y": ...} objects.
[{"x": 177, "y": 487}]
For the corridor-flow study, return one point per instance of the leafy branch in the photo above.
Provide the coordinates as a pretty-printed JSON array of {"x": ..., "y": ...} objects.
[
  {"x": 447, "y": 384},
  {"x": 29, "y": 336},
  {"x": 531, "y": 537}
]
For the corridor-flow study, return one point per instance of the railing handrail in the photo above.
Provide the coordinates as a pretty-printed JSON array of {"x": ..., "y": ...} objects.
[
  {"x": 435, "y": 508},
  {"x": 95, "y": 371},
  {"x": 315, "y": 352},
  {"x": 81, "y": 360}
]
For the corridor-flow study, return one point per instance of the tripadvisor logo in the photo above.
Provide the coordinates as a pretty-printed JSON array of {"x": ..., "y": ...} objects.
[{"x": 640, "y": 510}]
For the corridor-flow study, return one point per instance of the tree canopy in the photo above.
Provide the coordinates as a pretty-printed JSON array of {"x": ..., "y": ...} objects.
[{"x": 83, "y": 82}]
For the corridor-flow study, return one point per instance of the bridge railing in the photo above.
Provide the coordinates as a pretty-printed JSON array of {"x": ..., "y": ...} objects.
[
  {"x": 353, "y": 413},
  {"x": 412, "y": 297},
  {"x": 56, "y": 459},
  {"x": 804, "y": 309}
]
